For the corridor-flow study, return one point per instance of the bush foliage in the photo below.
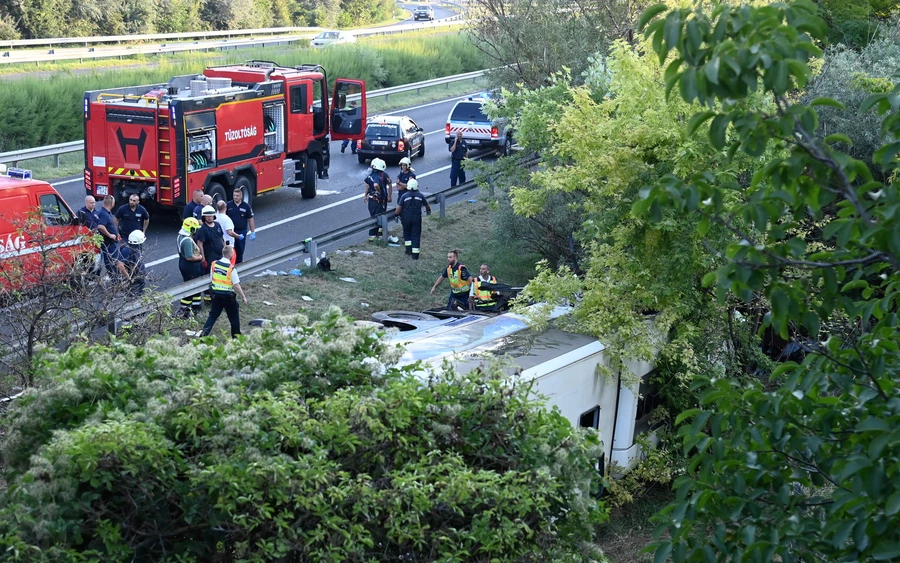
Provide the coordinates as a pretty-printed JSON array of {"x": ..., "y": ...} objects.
[{"x": 305, "y": 446}]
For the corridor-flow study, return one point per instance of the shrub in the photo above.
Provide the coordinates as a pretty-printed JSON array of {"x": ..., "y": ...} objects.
[{"x": 292, "y": 447}]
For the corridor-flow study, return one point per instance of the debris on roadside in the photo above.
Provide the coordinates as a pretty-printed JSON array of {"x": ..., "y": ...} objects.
[{"x": 348, "y": 280}]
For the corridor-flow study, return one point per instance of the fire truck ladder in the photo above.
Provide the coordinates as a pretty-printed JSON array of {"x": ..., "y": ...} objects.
[{"x": 165, "y": 158}]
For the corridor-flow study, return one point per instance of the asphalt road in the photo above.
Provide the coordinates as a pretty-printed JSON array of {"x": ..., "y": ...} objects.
[{"x": 283, "y": 217}]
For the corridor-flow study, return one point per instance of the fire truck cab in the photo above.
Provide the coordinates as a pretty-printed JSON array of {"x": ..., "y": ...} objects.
[{"x": 254, "y": 127}]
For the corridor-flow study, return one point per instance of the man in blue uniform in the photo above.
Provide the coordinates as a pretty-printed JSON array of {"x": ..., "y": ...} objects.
[
  {"x": 458, "y": 151},
  {"x": 132, "y": 217},
  {"x": 409, "y": 208},
  {"x": 460, "y": 280},
  {"x": 130, "y": 262},
  {"x": 192, "y": 205},
  {"x": 241, "y": 214},
  {"x": 378, "y": 192},
  {"x": 107, "y": 228}
]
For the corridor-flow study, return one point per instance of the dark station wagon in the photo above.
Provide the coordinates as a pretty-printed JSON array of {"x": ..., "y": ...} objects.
[{"x": 391, "y": 137}]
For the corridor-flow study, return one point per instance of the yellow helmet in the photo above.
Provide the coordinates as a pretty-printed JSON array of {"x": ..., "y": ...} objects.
[{"x": 190, "y": 225}]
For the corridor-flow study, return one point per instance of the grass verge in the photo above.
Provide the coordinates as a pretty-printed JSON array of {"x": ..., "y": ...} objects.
[
  {"x": 72, "y": 164},
  {"x": 630, "y": 530},
  {"x": 387, "y": 279}
]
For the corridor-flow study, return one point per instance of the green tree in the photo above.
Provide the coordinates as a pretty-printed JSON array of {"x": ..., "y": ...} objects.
[
  {"x": 299, "y": 443},
  {"x": 805, "y": 469}
]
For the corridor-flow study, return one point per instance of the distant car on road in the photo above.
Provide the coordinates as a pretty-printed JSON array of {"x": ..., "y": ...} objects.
[
  {"x": 423, "y": 13},
  {"x": 332, "y": 38},
  {"x": 391, "y": 137}
]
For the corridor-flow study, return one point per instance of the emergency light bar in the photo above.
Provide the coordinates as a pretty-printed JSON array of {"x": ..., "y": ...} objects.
[{"x": 19, "y": 173}]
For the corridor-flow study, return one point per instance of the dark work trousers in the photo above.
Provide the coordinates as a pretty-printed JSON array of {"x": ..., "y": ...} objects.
[
  {"x": 412, "y": 234},
  {"x": 207, "y": 296},
  {"x": 461, "y": 299},
  {"x": 375, "y": 207},
  {"x": 189, "y": 271},
  {"x": 457, "y": 172},
  {"x": 239, "y": 246},
  {"x": 228, "y": 303}
]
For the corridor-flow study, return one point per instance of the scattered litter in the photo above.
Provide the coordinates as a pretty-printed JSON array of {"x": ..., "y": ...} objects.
[
  {"x": 269, "y": 303},
  {"x": 265, "y": 286},
  {"x": 324, "y": 264},
  {"x": 345, "y": 252},
  {"x": 393, "y": 238},
  {"x": 306, "y": 298},
  {"x": 307, "y": 261},
  {"x": 192, "y": 333},
  {"x": 473, "y": 201},
  {"x": 296, "y": 272},
  {"x": 259, "y": 322},
  {"x": 266, "y": 273},
  {"x": 396, "y": 245},
  {"x": 292, "y": 259},
  {"x": 366, "y": 252},
  {"x": 363, "y": 304},
  {"x": 282, "y": 273},
  {"x": 350, "y": 280}
]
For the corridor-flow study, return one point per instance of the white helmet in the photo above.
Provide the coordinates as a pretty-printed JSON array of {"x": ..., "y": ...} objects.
[
  {"x": 413, "y": 184},
  {"x": 378, "y": 164},
  {"x": 208, "y": 211},
  {"x": 137, "y": 237},
  {"x": 405, "y": 160}
]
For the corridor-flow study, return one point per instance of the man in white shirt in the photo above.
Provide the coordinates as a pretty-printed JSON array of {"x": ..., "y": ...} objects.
[{"x": 226, "y": 223}]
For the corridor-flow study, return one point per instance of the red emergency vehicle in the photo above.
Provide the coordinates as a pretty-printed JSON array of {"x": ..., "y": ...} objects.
[
  {"x": 41, "y": 239},
  {"x": 255, "y": 126}
]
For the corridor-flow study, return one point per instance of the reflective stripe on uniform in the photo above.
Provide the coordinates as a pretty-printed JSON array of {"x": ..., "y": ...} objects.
[
  {"x": 221, "y": 277},
  {"x": 485, "y": 295},
  {"x": 457, "y": 284}
]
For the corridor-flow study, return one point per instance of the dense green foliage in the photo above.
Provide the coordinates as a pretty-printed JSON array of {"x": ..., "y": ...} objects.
[
  {"x": 856, "y": 22},
  {"x": 38, "y": 112},
  {"x": 805, "y": 470},
  {"x": 74, "y": 18},
  {"x": 305, "y": 446}
]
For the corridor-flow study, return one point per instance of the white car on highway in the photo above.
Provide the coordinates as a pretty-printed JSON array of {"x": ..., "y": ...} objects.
[{"x": 332, "y": 38}]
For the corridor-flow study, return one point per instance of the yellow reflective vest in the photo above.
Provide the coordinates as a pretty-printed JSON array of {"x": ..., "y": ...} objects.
[
  {"x": 457, "y": 284},
  {"x": 483, "y": 297},
  {"x": 221, "y": 277}
]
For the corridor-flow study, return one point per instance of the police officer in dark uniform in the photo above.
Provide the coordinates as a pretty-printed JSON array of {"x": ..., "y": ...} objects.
[
  {"x": 192, "y": 205},
  {"x": 409, "y": 208},
  {"x": 458, "y": 151},
  {"x": 241, "y": 214},
  {"x": 378, "y": 193}
]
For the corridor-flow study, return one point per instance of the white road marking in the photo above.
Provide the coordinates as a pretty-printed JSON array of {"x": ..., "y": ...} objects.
[{"x": 355, "y": 198}]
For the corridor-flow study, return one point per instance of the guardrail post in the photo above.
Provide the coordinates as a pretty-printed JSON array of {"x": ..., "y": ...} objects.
[
  {"x": 490, "y": 179},
  {"x": 56, "y": 160},
  {"x": 313, "y": 249},
  {"x": 383, "y": 221},
  {"x": 442, "y": 206}
]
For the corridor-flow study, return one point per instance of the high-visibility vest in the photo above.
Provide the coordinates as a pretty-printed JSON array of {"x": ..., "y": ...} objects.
[
  {"x": 484, "y": 297},
  {"x": 221, "y": 277},
  {"x": 457, "y": 284}
]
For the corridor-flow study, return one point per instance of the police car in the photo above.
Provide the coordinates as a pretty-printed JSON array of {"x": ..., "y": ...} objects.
[{"x": 479, "y": 131}]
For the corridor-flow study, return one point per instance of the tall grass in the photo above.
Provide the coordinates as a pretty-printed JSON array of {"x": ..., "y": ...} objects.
[{"x": 36, "y": 112}]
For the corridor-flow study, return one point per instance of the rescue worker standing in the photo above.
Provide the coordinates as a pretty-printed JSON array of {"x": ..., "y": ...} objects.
[
  {"x": 212, "y": 241},
  {"x": 459, "y": 282},
  {"x": 406, "y": 174},
  {"x": 189, "y": 257},
  {"x": 132, "y": 217},
  {"x": 241, "y": 214},
  {"x": 192, "y": 205},
  {"x": 458, "y": 151},
  {"x": 409, "y": 208},
  {"x": 130, "y": 261},
  {"x": 378, "y": 192},
  {"x": 483, "y": 299},
  {"x": 224, "y": 283}
]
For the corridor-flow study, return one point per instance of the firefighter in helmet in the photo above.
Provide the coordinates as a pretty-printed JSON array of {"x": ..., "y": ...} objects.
[
  {"x": 409, "y": 208},
  {"x": 210, "y": 240},
  {"x": 130, "y": 261},
  {"x": 378, "y": 193},
  {"x": 407, "y": 173},
  {"x": 189, "y": 257}
]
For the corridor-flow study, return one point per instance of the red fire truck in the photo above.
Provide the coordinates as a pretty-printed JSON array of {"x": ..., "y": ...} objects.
[{"x": 255, "y": 126}]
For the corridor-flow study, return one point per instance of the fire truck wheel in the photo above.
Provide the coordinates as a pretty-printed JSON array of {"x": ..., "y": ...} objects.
[
  {"x": 246, "y": 186},
  {"x": 308, "y": 191},
  {"x": 217, "y": 192}
]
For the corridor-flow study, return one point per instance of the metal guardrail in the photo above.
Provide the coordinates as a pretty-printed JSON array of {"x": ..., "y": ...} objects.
[
  {"x": 75, "y": 146},
  {"x": 86, "y": 52},
  {"x": 49, "y": 42}
]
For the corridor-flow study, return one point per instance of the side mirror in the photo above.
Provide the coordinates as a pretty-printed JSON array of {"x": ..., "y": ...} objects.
[{"x": 342, "y": 101}]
